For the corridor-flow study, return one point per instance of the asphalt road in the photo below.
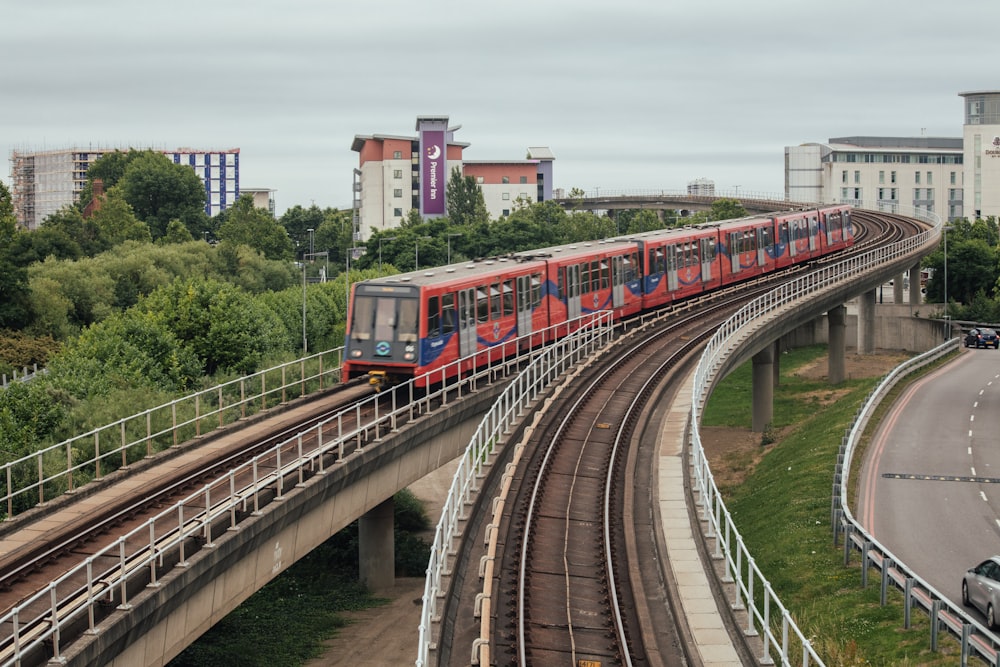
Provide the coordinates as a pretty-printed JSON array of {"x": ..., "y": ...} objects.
[{"x": 930, "y": 484}]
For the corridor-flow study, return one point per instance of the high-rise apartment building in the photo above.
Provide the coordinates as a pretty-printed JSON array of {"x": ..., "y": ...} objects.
[{"x": 46, "y": 181}]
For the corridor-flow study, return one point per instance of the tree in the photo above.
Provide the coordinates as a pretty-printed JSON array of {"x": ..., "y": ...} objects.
[
  {"x": 727, "y": 209},
  {"x": 73, "y": 227},
  {"x": 226, "y": 327},
  {"x": 14, "y": 291},
  {"x": 109, "y": 168},
  {"x": 176, "y": 233},
  {"x": 256, "y": 228},
  {"x": 160, "y": 191},
  {"x": 116, "y": 221},
  {"x": 466, "y": 205},
  {"x": 297, "y": 222}
]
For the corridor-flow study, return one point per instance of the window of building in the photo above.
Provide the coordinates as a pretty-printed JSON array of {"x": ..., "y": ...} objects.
[
  {"x": 505, "y": 179},
  {"x": 930, "y": 194},
  {"x": 397, "y": 155},
  {"x": 505, "y": 212},
  {"x": 397, "y": 212},
  {"x": 857, "y": 176},
  {"x": 916, "y": 177},
  {"x": 479, "y": 180},
  {"x": 397, "y": 173},
  {"x": 952, "y": 178},
  {"x": 930, "y": 178},
  {"x": 524, "y": 179},
  {"x": 892, "y": 177},
  {"x": 505, "y": 195},
  {"x": 881, "y": 179},
  {"x": 843, "y": 176},
  {"x": 398, "y": 192}
]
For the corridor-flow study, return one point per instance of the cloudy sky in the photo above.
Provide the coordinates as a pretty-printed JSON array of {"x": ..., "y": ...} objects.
[{"x": 629, "y": 94}]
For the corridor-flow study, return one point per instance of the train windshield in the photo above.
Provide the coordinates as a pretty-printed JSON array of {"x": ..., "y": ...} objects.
[{"x": 387, "y": 318}]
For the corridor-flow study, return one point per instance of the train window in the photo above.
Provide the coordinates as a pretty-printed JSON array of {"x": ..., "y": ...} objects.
[
  {"x": 508, "y": 297},
  {"x": 536, "y": 290},
  {"x": 561, "y": 278},
  {"x": 711, "y": 251},
  {"x": 482, "y": 304},
  {"x": 433, "y": 317},
  {"x": 656, "y": 261},
  {"x": 585, "y": 278},
  {"x": 628, "y": 267},
  {"x": 385, "y": 319},
  {"x": 495, "y": 301},
  {"x": 361, "y": 318},
  {"x": 605, "y": 274},
  {"x": 406, "y": 329},
  {"x": 447, "y": 313},
  {"x": 595, "y": 276}
]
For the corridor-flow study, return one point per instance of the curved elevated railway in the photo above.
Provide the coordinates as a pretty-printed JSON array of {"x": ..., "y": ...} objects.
[{"x": 577, "y": 486}]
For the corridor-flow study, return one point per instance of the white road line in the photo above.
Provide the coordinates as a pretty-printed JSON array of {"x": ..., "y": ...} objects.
[
  {"x": 973, "y": 471},
  {"x": 970, "y": 432},
  {"x": 983, "y": 496},
  {"x": 981, "y": 391},
  {"x": 972, "y": 418},
  {"x": 975, "y": 405},
  {"x": 970, "y": 451}
]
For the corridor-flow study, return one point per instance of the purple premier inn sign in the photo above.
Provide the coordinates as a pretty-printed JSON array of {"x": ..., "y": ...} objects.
[{"x": 432, "y": 172}]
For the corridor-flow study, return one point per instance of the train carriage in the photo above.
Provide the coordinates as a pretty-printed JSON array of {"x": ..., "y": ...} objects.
[
  {"x": 583, "y": 278},
  {"x": 678, "y": 263},
  {"x": 748, "y": 248},
  {"x": 407, "y": 325},
  {"x": 798, "y": 237}
]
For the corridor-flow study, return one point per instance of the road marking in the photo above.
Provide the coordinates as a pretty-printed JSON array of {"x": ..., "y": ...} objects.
[
  {"x": 941, "y": 478},
  {"x": 973, "y": 471},
  {"x": 983, "y": 495},
  {"x": 970, "y": 432},
  {"x": 975, "y": 405},
  {"x": 970, "y": 451},
  {"x": 972, "y": 418}
]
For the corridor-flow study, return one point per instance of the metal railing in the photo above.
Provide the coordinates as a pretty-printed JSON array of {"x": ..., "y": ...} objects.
[
  {"x": 143, "y": 556},
  {"x": 765, "y": 612},
  {"x": 973, "y": 637},
  {"x": 54, "y": 470},
  {"x": 516, "y": 401}
]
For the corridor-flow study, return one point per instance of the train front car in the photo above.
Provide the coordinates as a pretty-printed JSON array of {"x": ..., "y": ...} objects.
[{"x": 382, "y": 339}]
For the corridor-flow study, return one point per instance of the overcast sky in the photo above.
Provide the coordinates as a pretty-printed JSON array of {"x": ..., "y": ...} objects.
[{"x": 627, "y": 94}]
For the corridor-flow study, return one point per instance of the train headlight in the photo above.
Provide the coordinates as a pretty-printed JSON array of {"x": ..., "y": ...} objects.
[
  {"x": 355, "y": 353},
  {"x": 409, "y": 356}
]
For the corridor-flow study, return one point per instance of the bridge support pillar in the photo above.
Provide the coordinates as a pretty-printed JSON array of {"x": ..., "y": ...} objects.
[
  {"x": 837, "y": 324},
  {"x": 866, "y": 323},
  {"x": 897, "y": 289},
  {"x": 915, "y": 293},
  {"x": 376, "y": 548},
  {"x": 763, "y": 389}
]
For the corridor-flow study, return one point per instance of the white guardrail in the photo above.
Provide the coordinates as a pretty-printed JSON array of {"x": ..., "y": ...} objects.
[
  {"x": 781, "y": 637},
  {"x": 146, "y": 554},
  {"x": 50, "y": 472}
]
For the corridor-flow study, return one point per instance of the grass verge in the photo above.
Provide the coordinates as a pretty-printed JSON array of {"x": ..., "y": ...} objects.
[{"x": 780, "y": 501}]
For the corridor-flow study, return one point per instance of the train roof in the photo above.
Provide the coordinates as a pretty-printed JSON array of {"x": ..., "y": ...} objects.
[{"x": 441, "y": 274}]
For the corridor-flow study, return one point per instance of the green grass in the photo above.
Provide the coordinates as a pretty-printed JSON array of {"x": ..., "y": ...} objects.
[{"x": 782, "y": 510}]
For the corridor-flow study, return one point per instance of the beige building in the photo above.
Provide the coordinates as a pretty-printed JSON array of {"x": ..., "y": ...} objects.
[
  {"x": 981, "y": 141},
  {"x": 897, "y": 174}
]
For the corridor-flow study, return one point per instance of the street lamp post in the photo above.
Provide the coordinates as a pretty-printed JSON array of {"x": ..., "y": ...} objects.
[
  {"x": 388, "y": 238},
  {"x": 416, "y": 252},
  {"x": 305, "y": 341},
  {"x": 737, "y": 191},
  {"x": 310, "y": 230},
  {"x": 947, "y": 331},
  {"x": 449, "y": 244}
]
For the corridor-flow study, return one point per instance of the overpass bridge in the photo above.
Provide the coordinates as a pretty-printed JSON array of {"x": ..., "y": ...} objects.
[
  {"x": 238, "y": 544},
  {"x": 681, "y": 201}
]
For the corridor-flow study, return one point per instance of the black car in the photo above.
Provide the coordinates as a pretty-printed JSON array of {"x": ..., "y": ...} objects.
[{"x": 982, "y": 337}]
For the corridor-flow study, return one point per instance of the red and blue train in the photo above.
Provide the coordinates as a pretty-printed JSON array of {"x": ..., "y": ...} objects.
[{"x": 406, "y": 325}]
